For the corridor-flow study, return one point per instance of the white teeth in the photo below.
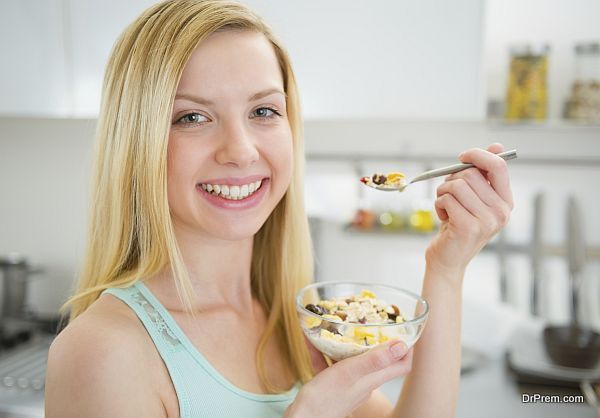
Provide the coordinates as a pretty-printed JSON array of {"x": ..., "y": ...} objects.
[{"x": 232, "y": 192}]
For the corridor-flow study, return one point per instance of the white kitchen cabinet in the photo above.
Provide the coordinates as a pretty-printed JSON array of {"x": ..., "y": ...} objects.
[
  {"x": 387, "y": 59},
  {"x": 34, "y": 76},
  {"x": 54, "y": 53},
  {"x": 95, "y": 26}
]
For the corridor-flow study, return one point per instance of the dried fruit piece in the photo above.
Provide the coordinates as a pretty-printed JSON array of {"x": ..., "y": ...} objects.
[
  {"x": 378, "y": 178},
  {"x": 315, "y": 309},
  {"x": 312, "y": 322},
  {"x": 341, "y": 314},
  {"x": 367, "y": 294},
  {"x": 394, "y": 177}
]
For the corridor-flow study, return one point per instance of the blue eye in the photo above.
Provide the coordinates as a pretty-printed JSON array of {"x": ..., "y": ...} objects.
[
  {"x": 265, "y": 113},
  {"x": 192, "y": 118}
]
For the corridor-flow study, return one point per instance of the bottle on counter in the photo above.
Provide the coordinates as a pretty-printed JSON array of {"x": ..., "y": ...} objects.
[
  {"x": 584, "y": 102},
  {"x": 527, "y": 92}
]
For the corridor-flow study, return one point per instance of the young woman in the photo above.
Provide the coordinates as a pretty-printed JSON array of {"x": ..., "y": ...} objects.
[{"x": 198, "y": 243}]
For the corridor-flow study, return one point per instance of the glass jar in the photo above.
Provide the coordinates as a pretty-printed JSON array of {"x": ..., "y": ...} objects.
[
  {"x": 584, "y": 101},
  {"x": 527, "y": 93}
]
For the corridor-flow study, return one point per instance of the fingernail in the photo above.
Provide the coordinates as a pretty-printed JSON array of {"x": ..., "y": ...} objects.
[
  {"x": 398, "y": 350},
  {"x": 461, "y": 155}
]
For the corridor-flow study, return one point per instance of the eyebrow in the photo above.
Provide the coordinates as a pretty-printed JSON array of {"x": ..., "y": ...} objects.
[{"x": 203, "y": 101}]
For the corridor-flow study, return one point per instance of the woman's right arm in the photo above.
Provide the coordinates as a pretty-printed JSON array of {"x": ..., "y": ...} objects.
[
  {"x": 340, "y": 389},
  {"x": 94, "y": 373}
]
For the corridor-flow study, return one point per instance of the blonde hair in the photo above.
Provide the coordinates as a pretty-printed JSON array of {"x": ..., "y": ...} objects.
[{"x": 130, "y": 234}]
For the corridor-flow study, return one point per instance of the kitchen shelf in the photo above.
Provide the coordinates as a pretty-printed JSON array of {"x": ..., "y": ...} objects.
[
  {"x": 550, "y": 125},
  {"x": 388, "y": 232}
]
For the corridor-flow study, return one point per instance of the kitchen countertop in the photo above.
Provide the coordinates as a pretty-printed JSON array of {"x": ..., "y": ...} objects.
[{"x": 491, "y": 388}]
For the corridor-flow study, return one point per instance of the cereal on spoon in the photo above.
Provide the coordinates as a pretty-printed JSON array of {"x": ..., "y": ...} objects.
[{"x": 393, "y": 179}]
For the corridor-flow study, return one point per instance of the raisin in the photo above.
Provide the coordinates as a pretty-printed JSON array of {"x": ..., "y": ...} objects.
[
  {"x": 315, "y": 309},
  {"x": 379, "y": 178}
]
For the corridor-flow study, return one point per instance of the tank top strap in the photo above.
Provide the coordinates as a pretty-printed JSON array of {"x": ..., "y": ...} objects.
[
  {"x": 167, "y": 343},
  {"x": 149, "y": 314}
]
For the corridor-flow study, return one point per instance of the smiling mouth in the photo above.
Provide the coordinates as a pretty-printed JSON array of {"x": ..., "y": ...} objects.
[{"x": 232, "y": 192}]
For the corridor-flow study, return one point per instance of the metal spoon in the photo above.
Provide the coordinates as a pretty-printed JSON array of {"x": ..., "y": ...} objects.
[{"x": 399, "y": 187}]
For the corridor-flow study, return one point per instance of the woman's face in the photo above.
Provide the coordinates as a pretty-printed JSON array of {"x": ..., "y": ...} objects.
[{"x": 230, "y": 143}]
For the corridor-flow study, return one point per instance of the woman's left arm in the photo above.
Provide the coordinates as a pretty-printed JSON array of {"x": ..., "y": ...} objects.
[{"x": 473, "y": 205}]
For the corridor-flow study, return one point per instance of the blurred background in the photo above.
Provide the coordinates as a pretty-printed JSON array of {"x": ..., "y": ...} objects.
[{"x": 385, "y": 86}]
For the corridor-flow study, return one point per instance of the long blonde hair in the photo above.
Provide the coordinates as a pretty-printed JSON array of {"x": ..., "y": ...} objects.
[{"x": 130, "y": 234}]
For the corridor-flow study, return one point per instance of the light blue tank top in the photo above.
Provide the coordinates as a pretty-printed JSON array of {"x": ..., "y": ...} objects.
[{"x": 201, "y": 390}]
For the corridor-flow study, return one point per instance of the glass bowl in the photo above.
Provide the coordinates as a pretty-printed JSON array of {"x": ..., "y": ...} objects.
[{"x": 339, "y": 339}]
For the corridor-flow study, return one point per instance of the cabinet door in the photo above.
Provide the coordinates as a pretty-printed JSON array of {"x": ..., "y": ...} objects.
[
  {"x": 34, "y": 79},
  {"x": 95, "y": 26},
  {"x": 385, "y": 58}
]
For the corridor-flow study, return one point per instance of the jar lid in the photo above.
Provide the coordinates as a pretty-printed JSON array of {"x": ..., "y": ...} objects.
[
  {"x": 587, "y": 48},
  {"x": 13, "y": 259},
  {"x": 529, "y": 49}
]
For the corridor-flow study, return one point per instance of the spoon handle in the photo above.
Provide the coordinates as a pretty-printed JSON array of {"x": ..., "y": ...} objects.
[{"x": 506, "y": 155}]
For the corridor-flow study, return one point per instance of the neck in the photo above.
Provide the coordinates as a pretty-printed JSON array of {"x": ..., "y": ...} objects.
[{"x": 219, "y": 271}]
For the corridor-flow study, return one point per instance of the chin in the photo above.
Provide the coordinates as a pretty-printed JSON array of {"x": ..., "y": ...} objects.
[{"x": 232, "y": 233}]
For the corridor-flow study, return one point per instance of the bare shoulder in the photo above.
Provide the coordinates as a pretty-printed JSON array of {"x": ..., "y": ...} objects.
[{"x": 98, "y": 366}]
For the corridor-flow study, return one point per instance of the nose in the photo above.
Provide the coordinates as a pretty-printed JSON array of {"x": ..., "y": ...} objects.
[{"x": 236, "y": 146}]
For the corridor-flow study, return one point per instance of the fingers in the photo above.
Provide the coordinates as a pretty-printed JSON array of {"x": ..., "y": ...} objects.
[
  {"x": 399, "y": 368},
  {"x": 480, "y": 185},
  {"x": 374, "y": 360},
  {"x": 352, "y": 380},
  {"x": 462, "y": 191},
  {"x": 496, "y": 207},
  {"x": 496, "y": 148},
  {"x": 447, "y": 206},
  {"x": 495, "y": 169}
]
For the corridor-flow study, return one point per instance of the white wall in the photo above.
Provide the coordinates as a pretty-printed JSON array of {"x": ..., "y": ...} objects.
[{"x": 44, "y": 174}]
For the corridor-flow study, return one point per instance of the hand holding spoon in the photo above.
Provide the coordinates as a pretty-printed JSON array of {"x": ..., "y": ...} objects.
[{"x": 400, "y": 184}]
